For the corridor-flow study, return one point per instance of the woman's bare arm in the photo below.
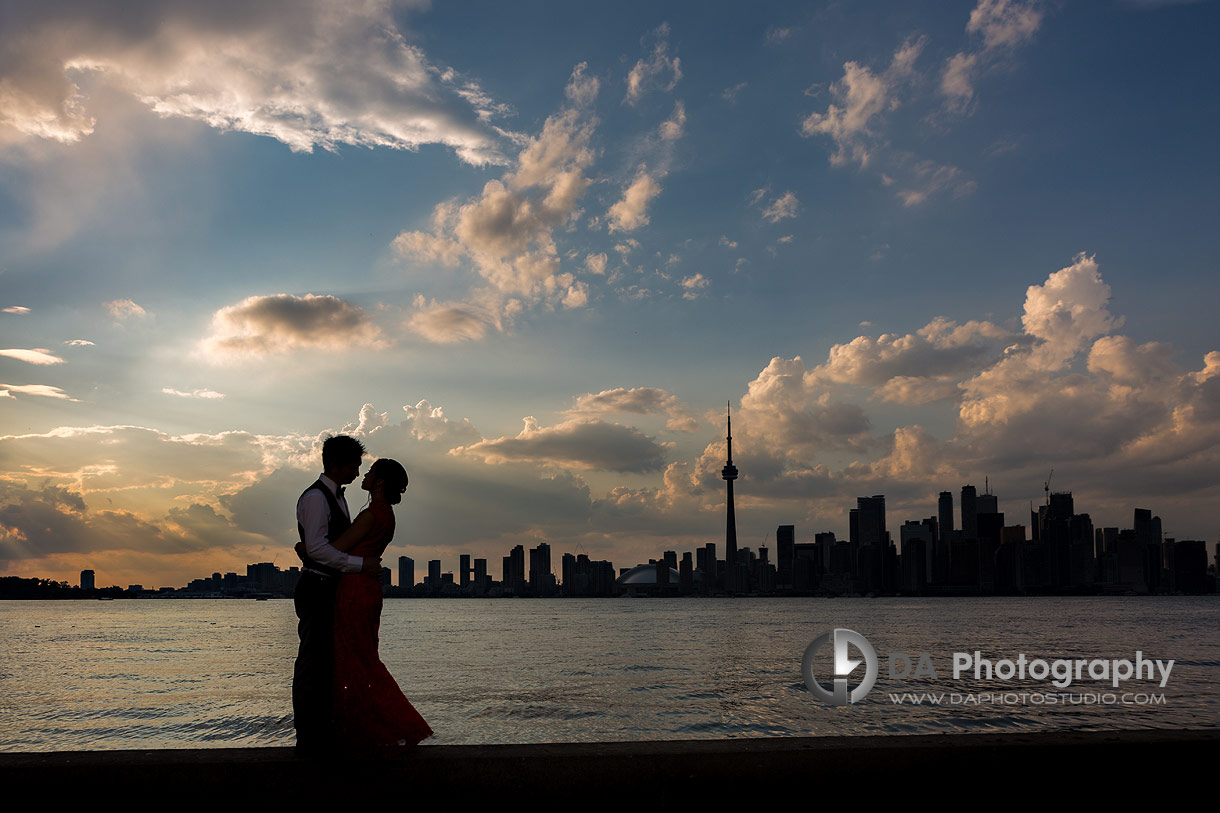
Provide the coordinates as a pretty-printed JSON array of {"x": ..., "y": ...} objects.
[{"x": 355, "y": 532}]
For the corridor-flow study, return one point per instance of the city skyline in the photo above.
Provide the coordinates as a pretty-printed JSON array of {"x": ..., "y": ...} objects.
[
  {"x": 530, "y": 250},
  {"x": 977, "y": 521}
]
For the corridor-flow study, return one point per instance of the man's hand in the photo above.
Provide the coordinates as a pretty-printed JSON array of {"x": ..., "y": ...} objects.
[{"x": 371, "y": 566}]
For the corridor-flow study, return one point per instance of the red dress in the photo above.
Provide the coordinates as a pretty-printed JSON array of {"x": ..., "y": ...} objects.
[{"x": 371, "y": 712}]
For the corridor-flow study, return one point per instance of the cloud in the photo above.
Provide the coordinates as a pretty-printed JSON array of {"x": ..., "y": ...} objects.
[
  {"x": 39, "y": 356},
  {"x": 927, "y": 178},
  {"x": 693, "y": 285},
  {"x": 919, "y": 362},
  {"x": 727, "y": 243},
  {"x": 79, "y": 343},
  {"x": 41, "y": 390},
  {"x": 673, "y": 127},
  {"x": 784, "y": 206},
  {"x": 862, "y": 96},
  {"x": 208, "y": 395},
  {"x": 17, "y": 309},
  {"x": 776, "y": 34},
  {"x": 630, "y": 213},
  {"x": 309, "y": 74},
  {"x": 506, "y": 233},
  {"x": 450, "y": 322},
  {"x": 596, "y": 263},
  {"x": 638, "y": 401},
  {"x": 124, "y": 309},
  {"x": 281, "y": 323},
  {"x": 1003, "y": 25},
  {"x": 649, "y": 72},
  {"x": 1068, "y": 310},
  {"x": 731, "y": 94},
  {"x": 579, "y": 443}
]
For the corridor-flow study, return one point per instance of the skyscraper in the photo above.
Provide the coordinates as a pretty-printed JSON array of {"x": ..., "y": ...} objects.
[
  {"x": 729, "y": 473},
  {"x": 970, "y": 513},
  {"x": 406, "y": 572}
]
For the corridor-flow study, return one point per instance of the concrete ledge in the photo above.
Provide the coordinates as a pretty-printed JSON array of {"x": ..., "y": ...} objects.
[{"x": 1097, "y": 766}]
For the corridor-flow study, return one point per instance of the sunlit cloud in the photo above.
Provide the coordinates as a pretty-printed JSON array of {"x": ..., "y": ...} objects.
[
  {"x": 122, "y": 309},
  {"x": 506, "y": 233},
  {"x": 631, "y": 212},
  {"x": 1002, "y": 25},
  {"x": 36, "y": 356},
  {"x": 337, "y": 75},
  {"x": 580, "y": 443},
  {"x": 657, "y": 71},
  {"x": 207, "y": 395},
  {"x": 281, "y": 323},
  {"x": 638, "y": 401},
  {"x": 38, "y": 390}
]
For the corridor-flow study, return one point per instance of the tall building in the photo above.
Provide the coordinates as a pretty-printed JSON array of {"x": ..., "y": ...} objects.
[
  {"x": 873, "y": 555},
  {"x": 86, "y": 580},
  {"x": 514, "y": 577},
  {"x": 434, "y": 573},
  {"x": 729, "y": 473},
  {"x": 945, "y": 514},
  {"x": 785, "y": 538},
  {"x": 406, "y": 572},
  {"x": 970, "y": 513},
  {"x": 540, "y": 568},
  {"x": 464, "y": 569}
]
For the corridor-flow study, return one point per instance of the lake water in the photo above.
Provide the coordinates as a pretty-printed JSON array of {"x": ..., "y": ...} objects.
[{"x": 198, "y": 673}]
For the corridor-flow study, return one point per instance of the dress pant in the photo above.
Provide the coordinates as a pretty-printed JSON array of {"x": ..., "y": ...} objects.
[{"x": 313, "y": 677}]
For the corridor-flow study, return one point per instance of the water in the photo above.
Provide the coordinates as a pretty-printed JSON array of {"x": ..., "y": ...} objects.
[{"x": 197, "y": 673}]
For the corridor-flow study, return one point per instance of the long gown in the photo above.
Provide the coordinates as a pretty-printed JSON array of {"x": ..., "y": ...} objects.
[{"x": 371, "y": 712}]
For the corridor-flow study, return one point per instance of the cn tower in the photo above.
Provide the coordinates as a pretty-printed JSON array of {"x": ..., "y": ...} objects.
[{"x": 729, "y": 473}]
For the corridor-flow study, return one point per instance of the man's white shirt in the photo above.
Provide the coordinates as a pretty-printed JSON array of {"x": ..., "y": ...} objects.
[{"x": 313, "y": 514}]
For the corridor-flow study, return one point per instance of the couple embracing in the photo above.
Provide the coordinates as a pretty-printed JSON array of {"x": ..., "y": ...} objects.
[{"x": 343, "y": 697}]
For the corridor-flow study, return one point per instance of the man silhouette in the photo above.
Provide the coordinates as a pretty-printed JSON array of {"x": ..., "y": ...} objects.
[{"x": 322, "y": 516}]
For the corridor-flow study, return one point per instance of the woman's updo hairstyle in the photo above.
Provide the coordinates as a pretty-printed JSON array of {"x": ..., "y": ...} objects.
[{"x": 393, "y": 477}]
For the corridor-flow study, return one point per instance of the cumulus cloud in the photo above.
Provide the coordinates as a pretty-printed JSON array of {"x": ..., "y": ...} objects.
[
  {"x": 1063, "y": 391},
  {"x": 40, "y": 390},
  {"x": 17, "y": 309},
  {"x": 40, "y": 356},
  {"x": 638, "y": 401},
  {"x": 860, "y": 97},
  {"x": 79, "y": 343},
  {"x": 309, "y": 74},
  {"x": 124, "y": 309},
  {"x": 658, "y": 70},
  {"x": 915, "y": 364},
  {"x": 506, "y": 233},
  {"x": 631, "y": 212},
  {"x": 579, "y": 443},
  {"x": 280, "y": 323},
  {"x": 1002, "y": 25}
]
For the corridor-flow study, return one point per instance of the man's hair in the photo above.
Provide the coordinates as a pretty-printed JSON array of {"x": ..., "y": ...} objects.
[{"x": 339, "y": 450}]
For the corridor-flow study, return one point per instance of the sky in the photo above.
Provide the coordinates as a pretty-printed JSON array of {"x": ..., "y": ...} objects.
[{"x": 533, "y": 250}]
